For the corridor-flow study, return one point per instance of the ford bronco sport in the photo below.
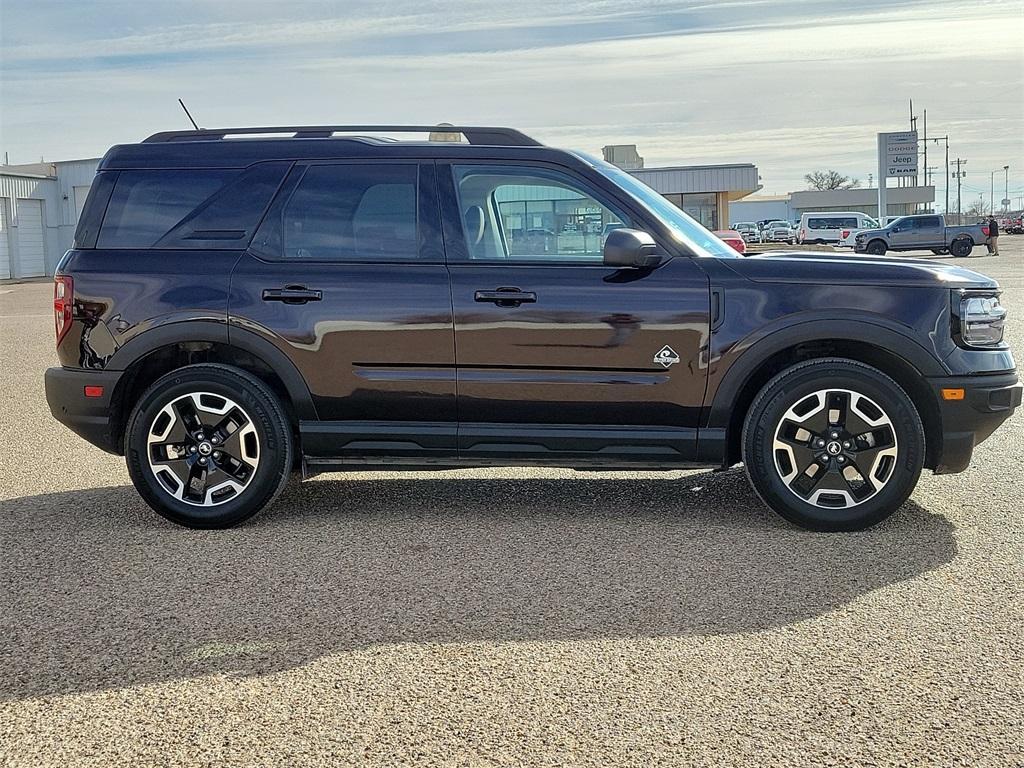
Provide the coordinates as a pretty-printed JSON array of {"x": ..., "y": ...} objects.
[{"x": 242, "y": 303}]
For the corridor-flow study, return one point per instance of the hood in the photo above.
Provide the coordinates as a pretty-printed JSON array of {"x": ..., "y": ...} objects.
[{"x": 841, "y": 269}]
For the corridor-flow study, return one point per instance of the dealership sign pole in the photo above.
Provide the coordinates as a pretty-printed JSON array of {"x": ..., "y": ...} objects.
[{"x": 897, "y": 157}]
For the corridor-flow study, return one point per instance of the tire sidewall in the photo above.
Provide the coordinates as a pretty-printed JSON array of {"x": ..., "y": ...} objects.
[
  {"x": 266, "y": 415},
  {"x": 789, "y": 388}
]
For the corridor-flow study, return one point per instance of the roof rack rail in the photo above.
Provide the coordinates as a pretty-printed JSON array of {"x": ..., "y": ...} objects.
[{"x": 508, "y": 137}]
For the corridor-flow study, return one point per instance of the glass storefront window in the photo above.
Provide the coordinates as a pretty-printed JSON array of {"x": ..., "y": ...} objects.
[{"x": 703, "y": 207}]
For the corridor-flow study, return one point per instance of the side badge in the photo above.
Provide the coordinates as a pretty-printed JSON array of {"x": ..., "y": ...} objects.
[{"x": 666, "y": 356}]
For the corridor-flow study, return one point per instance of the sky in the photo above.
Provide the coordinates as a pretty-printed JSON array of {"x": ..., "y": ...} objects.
[{"x": 788, "y": 85}]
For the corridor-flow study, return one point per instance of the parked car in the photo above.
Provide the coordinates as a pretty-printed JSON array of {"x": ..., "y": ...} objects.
[
  {"x": 1014, "y": 225},
  {"x": 778, "y": 232},
  {"x": 232, "y": 311},
  {"x": 732, "y": 238},
  {"x": 749, "y": 231},
  {"x": 921, "y": 232},
  {"x": 825, "y": 227},
  {"x": 847, "y": 237}
]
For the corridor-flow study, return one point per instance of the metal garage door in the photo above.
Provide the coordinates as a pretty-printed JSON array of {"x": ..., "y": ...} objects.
[
  {"x": 5, "y": 253},
  {"x": 31, "y": 254}
]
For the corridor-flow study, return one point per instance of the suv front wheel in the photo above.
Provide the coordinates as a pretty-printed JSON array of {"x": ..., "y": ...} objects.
[
  {"x": 833, "y": 445},
  {"x": 208, "y": 446}
]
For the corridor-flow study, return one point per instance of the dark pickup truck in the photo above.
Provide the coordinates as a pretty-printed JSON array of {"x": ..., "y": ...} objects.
[
  {"x": 926, "y": 232},
  {"x": 329, "y": 298}
]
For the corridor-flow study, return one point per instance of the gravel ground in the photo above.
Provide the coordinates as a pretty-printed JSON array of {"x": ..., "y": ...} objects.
[{"x": 502, "y": 617}]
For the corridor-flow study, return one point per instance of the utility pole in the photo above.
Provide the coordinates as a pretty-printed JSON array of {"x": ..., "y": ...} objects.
[
  {"x": 1006, "y": 188},
  {"x": 959, "y": 175},
  {"x": 948, "y": 176},
  {"x": 925, "y": 145},
  {"x": 992, "y": 191}
]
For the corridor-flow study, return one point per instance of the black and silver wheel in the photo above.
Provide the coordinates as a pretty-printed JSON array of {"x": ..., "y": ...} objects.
[
  {"x": 961, "y": 247},
  {"x": 876, "y": 248},
  {"x": 833, "y": 445},
  {"x": 208, "y": 446}
]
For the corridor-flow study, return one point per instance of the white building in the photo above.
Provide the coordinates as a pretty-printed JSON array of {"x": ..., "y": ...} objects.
[
  {"x": 703, "y": 191},
  {"x": 900, "y": 201},
  {"x": 39, "y": 209}
]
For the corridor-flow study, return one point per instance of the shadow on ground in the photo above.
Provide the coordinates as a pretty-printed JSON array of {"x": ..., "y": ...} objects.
[{"x": 104, "y": 594}]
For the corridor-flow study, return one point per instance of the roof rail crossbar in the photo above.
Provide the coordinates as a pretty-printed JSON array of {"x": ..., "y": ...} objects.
[{"x": 492, "y": 136}]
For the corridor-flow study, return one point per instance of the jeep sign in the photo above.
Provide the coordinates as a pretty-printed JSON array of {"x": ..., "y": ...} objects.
[{"x": 900, "y": 153}]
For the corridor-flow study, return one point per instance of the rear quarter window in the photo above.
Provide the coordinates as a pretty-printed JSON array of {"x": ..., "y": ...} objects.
[
  {"x": 190, "y": 209},
  {"x": 146, "y": 205}
]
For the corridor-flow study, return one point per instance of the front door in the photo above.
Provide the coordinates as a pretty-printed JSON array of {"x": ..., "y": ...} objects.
[
  {"x": 560, "y": 358},
  {"x": 346, "y": 276}
]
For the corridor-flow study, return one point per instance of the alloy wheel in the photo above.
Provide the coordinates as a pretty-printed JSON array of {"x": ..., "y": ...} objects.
[
  {"x": 203, "y": 448},
  {"x": 835, "y": 448}
]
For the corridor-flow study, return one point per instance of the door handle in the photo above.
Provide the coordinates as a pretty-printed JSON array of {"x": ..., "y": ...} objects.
[
  {"x": 506, "y": 297},
  {"x": 292, "y": 294}
]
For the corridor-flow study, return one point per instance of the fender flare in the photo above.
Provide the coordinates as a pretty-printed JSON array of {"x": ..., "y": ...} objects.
[
  {"x": 758, "y": 350},
  {"x": 216, "y": 332}
]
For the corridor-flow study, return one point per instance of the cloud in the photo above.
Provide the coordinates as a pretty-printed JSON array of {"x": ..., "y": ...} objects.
[{"x": 751, "y": 81}]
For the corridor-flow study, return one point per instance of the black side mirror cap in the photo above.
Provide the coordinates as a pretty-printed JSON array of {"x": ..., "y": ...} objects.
[{"x": 630, "y": 248}]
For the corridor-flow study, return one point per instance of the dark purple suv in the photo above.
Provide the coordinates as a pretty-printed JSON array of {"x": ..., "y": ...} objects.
[{"x": 240, "y": 305}]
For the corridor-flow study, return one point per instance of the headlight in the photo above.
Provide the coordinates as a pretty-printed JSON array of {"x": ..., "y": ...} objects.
[{"x": 981, "y": 320}]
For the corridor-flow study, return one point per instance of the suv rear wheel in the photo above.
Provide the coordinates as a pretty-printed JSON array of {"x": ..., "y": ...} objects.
[
  {"x": 833, "y": 445},
  {"x": 208, "y": 446}
]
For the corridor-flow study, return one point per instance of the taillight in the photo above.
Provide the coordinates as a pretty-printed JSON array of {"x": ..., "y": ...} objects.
[
  {"x": 846, "y": 234},
  {"x": 63, "y": 298},
  {"x": 741, "y": 246}
]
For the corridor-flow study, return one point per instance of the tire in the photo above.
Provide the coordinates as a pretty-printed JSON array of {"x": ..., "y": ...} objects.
[
  {"x": 961, "y": 247},
  {"x": 778, "y": 456},
  {"x": 876, "y": 248},
  {"x": 182, "y": 420}
]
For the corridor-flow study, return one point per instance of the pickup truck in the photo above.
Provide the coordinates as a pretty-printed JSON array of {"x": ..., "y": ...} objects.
[{"x": 927, "y": 232}]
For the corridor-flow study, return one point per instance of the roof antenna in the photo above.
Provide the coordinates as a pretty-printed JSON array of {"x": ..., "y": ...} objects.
[{"x": 189, "y": 114}]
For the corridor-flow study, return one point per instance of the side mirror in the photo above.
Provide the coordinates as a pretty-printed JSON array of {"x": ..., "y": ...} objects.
[{"x": 630, "y": 248}]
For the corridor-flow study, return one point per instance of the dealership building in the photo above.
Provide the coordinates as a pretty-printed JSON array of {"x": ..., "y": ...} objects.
[{"x": 900, "y": 202}]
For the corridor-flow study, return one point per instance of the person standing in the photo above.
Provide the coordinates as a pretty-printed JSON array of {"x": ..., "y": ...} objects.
[{"x": 993, "y": 236}]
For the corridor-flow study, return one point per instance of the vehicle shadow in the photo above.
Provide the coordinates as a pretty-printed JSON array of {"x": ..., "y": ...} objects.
[{"x": 104, "y": 594}]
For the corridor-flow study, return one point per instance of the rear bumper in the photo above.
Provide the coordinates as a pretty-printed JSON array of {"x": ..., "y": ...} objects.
[
  {"x": 89, "y": 417},
  {"x": 988, "y": 401}
]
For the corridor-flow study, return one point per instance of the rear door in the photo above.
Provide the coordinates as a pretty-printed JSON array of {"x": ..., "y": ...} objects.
[
  {"x": 560, "y": 358},
  {"x": 929, "y": 232},
  {"x": 346, "y": 276}
]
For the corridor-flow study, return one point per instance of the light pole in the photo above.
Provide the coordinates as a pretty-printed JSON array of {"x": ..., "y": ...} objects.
[{"x": 1006, "y": 188}]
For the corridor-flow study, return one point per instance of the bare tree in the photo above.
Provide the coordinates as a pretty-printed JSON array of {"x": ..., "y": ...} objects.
[
  {"x": 824, "y": 180},
  {"x": 976, "y": 210}
]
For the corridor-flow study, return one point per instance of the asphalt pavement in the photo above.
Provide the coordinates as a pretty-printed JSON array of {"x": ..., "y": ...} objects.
[{"x": 505, "y": 617}]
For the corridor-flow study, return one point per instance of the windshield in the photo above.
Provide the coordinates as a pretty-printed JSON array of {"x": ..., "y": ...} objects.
[{"x": 684, "y": 229}]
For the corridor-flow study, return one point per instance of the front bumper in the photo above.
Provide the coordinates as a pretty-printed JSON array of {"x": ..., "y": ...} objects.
[
  {"x": 988, "y": 401},
  {"x": 92, "y": 418}
]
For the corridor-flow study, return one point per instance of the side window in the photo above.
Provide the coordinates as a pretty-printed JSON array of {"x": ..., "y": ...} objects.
[
  {"x": 927, "y": 222},
  {"x": 146, "y": 205},
  {"x": 532, "y": 214},
  {"x": 354, "y": 212}
]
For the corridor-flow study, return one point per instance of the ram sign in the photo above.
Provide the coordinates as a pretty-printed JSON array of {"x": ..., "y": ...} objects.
[{"x": 898, "y": 153}]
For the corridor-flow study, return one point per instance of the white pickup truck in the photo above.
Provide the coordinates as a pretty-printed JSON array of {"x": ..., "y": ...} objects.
[{"x": 923, "y": 232}]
